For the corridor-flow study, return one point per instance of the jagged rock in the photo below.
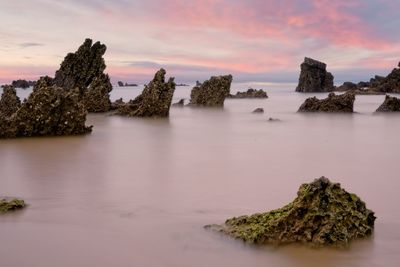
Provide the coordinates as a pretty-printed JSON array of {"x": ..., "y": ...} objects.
[
  {"x": 155, "y": 99},
  {"x": 258, "y": 110},
  {"x": 49, "y": 110},
  {"x": 22, "y": 84},
  {"x": 361, "y": 85},
  {"x": 314, "y": 77},
  {"x": 116, "y": 104},
  {"x": 347, "y": 86},
  {"x": 9, "y": 102},
  {"x": 391, "y": 104},
  {"x": 333, "y": 103},
  {"x": 389, "y": 84},
  {"x": 7, "y": 205},
  {"x": 84, "y": 69},
  {"x": 375, "y": 82},
  {"x": 322, "y": 214},
  {"x": 43, "y": 81},
  {"x": 211, "y": 93},
  {"x": 250, "y": 93},
  {"x": 180, "y": 103}
]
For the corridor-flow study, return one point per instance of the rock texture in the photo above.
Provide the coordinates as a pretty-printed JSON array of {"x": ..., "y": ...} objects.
[
  {"x": 211, "y": 93},
  {"x": 155, "y": 99},
  {"x": 97, "y": 96},
  {"x": 333, "y": 103},
  {"x": 391, "y": 104},
  {"x": 22, "y": 84},
  {"x": 49, "y": 110},
  {"x": 7, "y": 205},
  {"x": 322, "y": 214},
  {"x": 314, "y": 77},
  {"x": 250, "y": 93},
  {"x": 9, "y": 102}
]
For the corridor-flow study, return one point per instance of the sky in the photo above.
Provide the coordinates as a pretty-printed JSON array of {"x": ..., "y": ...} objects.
[{"x": 255, "y": 40}]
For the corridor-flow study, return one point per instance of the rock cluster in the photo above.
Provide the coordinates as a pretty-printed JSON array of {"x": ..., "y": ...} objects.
[
  {"x": 391, "y": 104},
  {"x": 9, "y": 102},
  {"x": 250, "y": 93},
  {"x": 7, "y": 205},
  {"x": 22, "y": 84},
  {"x": 322, "y": 214},
  {"x": 212, "y": 92},
  {"x": 155, "y": 99},
  {"x": 314, "y": 77},
  {"x": 333, "y": 103}
]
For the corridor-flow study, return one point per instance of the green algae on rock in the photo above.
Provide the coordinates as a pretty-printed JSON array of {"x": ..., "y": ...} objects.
[
  {"x": 323, "y": 214},
  {"x": 11, "y": 204}
]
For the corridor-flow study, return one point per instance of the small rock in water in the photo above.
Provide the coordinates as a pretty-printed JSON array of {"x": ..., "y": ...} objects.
[
  {"x": 11, "y": 204},
  {"x": 258, "y": 110},
  {"x": 391, "y": 104},
  {"x": 211, "y": 93},
  {"x": 323, "y": 214},
  {"x": 273, "y": 119},
  {"x": 180, "y": 103},
  {"x": 333, "y": 103}
]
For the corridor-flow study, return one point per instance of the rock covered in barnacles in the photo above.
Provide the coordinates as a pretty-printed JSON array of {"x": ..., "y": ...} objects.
[
  {"x": 9, "y": 102},
  {"x": 211, "y": 93},
  {"x": 391, "y": 104},
  {"x": 155, "y": 100},
  {"x": 97, "y": 96},
  {"x": 7, "y": 205},
  {"x": 250, "y": 93},
  {"x": 323, "y": 214},
  {"x": 333, "y": 103},
  {"x": 314, "y": 77}
]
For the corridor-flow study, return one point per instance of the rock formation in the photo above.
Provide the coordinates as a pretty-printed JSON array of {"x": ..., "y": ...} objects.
[
  {"x": 22, "y": 84},
  {"x": 9, "y": 102},
  {"x": 116, "y": 104},
  {"x": 322, "y": 214},
  {"x": 155, "y": 99},
  {"x": 211, "y": 93},
  {"x": 258, "y": 110},
  {"x": 97, "y": 96},
  {"x": 7, "y": 205},
  {"x": 314, "y": 77},
  {"x": 180, "y": 103},
  {"x": 333, "y": 103},
  {"x": 250, "y": 93},
  {"x": 49, "y": 110},
  {"x": 391, "y": 104}
]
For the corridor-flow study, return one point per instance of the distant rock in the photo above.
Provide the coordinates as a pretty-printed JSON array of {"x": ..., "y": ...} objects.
[
  {"x": 211, "y": 93},
  {"x": 389, "y": 84},
  {"x": 391, "y": 104},
  {"x": 117, "y": 103},
  {"x": 361, "y": 85},
  {"x": 9, "y": 102},
  {"x": 154, "y": 101},
  {"x": 258, "y": 110},
  {"x": 322, "y": 214},
  {"x": 314, "y": 77},
  {"x": 273, "y": 119},
  {"x": 7, "y": 205},
  {"x": 23, "y": 84},
  {"x": 347, "y": 86},
  {"x": 180, "y": 103},
  {"x": 333, "y": 103},
  {"x": 181, "y": 84},
  {"x": 121, "y": 84},
  {"x": 250, "y": 93}
]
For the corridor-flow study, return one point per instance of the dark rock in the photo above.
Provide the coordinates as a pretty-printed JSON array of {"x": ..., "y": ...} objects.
[
  {"x": 155, "y": 99},
  {"x": 391, "y": 104},
  {"x": 97, "y": 96},
  {"x": 374, "y": 82},
  {"x": 250, "y": 93},
  {"x": 258, "y": 110},
  {"x": 322, "y": 214},
  {"x": 181, "y": 84},
  {"x": 44, "y": 81},
  {"x": 49, "y": 110},
  {"x": 314, "y": 77},
  {"x": 347, "y": 86},
  {"x": 211, "y": 93},
  {"x": 333, "y": 103},
  {"x": 389, "y": 84},
  {"x": 116, "y": 104},
  {"x": 363, "y": 85},
  {"x": 180, "y": 103},
  {"x": 9, "y": 102},
  {"x": 7, "y": 205},
  {"x": 120, "y": 84},
  {"x": 22, "y": 84},
  {"x": 273, "y": 119},
  {"x": 198, "y": 83}
]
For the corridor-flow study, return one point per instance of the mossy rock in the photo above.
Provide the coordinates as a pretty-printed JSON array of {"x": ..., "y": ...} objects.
[
  {"x": 11, "y": 204},
  {"x": 323, "y": 214}
]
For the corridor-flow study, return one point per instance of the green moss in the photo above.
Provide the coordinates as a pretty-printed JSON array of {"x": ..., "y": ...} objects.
[
  {"x": 322, "y": 214},
  {"x": 12, "y": 204}
]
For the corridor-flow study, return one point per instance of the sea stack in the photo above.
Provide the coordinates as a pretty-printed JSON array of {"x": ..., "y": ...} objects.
[
  {"x": 391, "y": 104},
  {"x": 322, "y": 214},
  {"x": 9, "y": 102},
  {"x": 314, "y": 77},
  {"x": 333, "y": 103},
  {"x": 212, "y": 92}
]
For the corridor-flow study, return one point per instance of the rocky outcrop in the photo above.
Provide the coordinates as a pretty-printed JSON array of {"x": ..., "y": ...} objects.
[
  {"x": 180, "y": 103},
  {"x": 314, "y": 77},
  {"x": 391, "y": 104},
  {"x": 121, "y": 84},
  {"x": 84, "y": 69},
  {"x": 154, "y": 101},
  {"x": 9, "y": 102},
  {"x": 258, "y": 110},
  {"x": 333, "y": 103},
  {"x": 117, "y": 103},
  {"x": 346, "y": 86},
  {"x": 49, "y": 111},
  {"x": 322, "y": 214},
  {"x": 13, "y": 204},
  {"x": 388, "y": 84},
  {"x": 211, "y": 93},
  {"x": 250, "y": 93},
  {"x": 22, "y": 84}
]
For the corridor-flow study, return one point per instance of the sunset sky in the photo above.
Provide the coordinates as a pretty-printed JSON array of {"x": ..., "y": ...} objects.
[{"x": 255, "y": 40}]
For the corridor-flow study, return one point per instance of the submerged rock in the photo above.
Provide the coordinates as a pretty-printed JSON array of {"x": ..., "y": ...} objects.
[
  {"x": 250, "y": 93},
  {"x": 391, "y": 104},
  {"x": 180, "y": 103},
  {"x": 314, "y": 77},
  {"x": 322, "y": 214},
  {"x": 333, "y": 103},
  {"x": 9, "y": 102},
  {"x": 155, "y": 99},
  {"x": 211, "y": 93},
  {"x": 22, "y": 84},
  {"x": 11, "y": 204},
  {"x": 258, "y": 110}
]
